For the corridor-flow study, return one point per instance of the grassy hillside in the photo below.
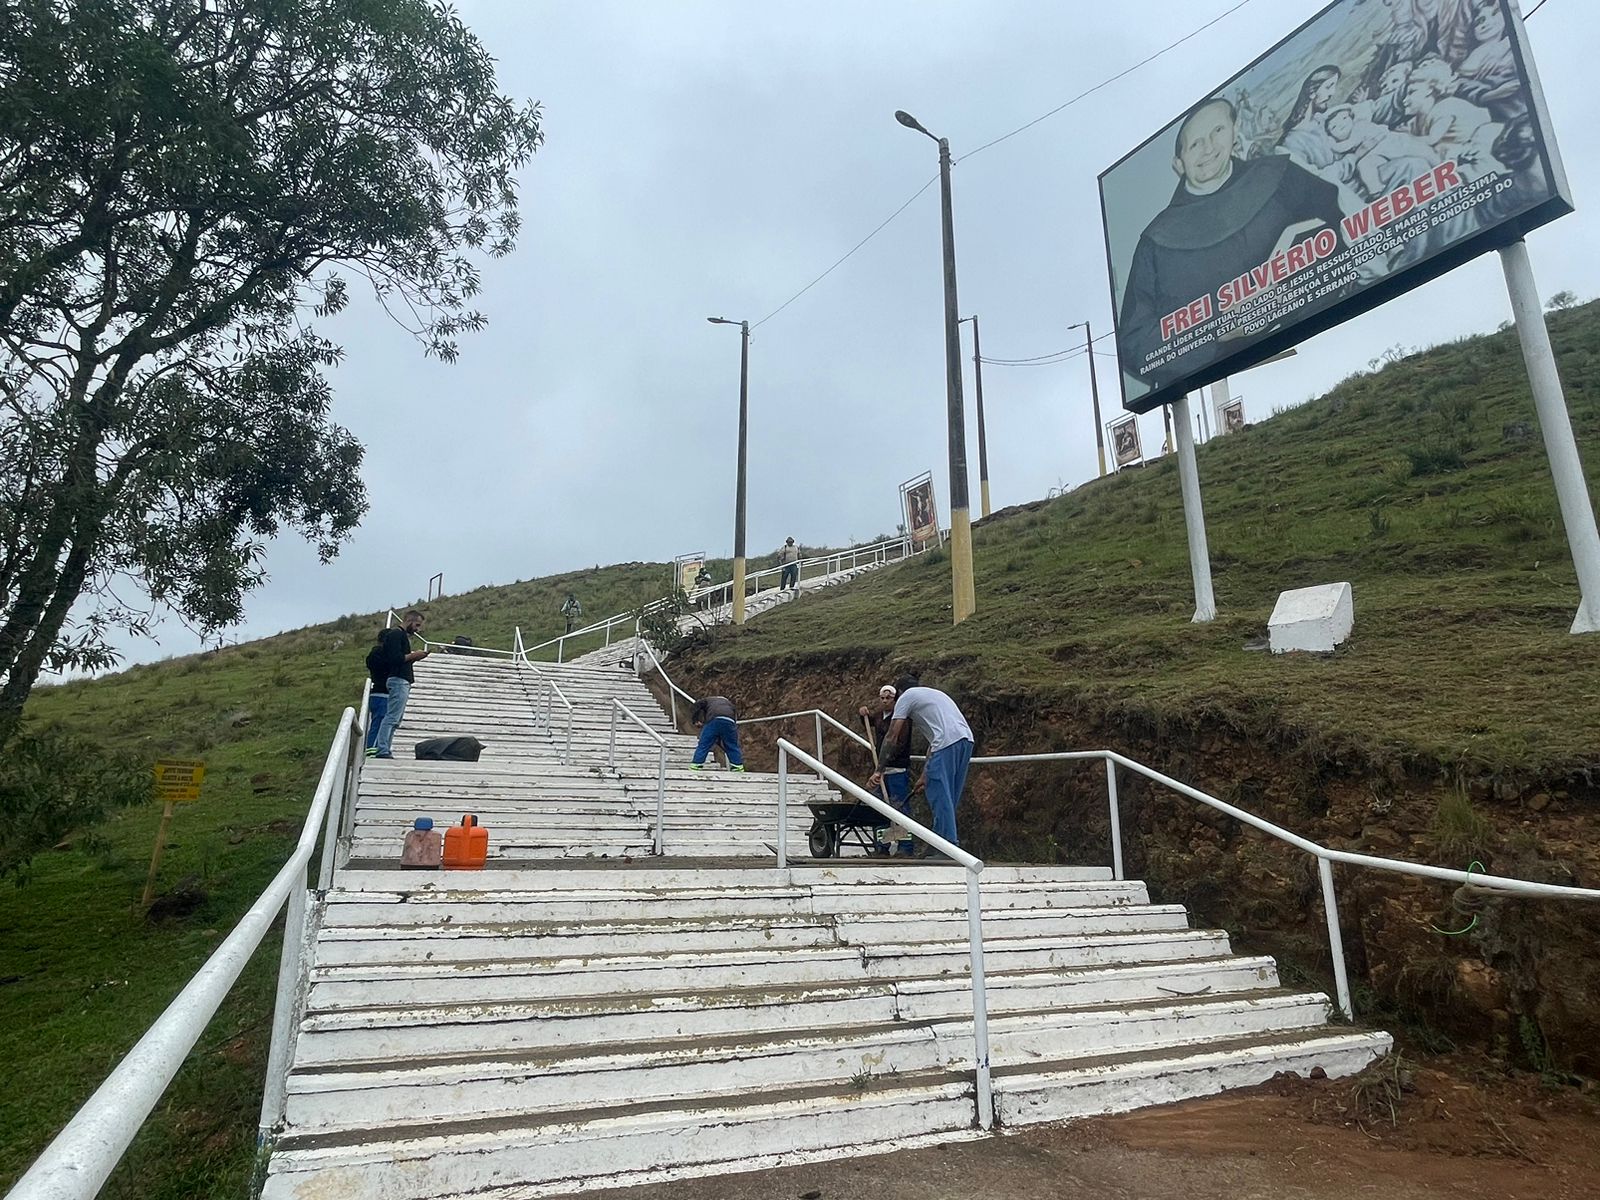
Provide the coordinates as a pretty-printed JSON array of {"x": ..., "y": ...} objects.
[{"x": 1423, "y": 483}]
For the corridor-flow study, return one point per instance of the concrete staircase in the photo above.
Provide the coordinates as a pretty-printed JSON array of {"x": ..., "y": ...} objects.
[{"x": 582, "y": 1015}]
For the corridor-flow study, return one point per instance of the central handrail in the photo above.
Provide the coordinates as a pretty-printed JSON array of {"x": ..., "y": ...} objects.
[
  {"x": 661, "y": 771},
  {"x": 974, "y": 867},
  {"x": 818, "y": 717},
  {"x": 675, "y": 691},
  {"x": 77, "y": 1163},
  {"x": 551, "y": 693}
]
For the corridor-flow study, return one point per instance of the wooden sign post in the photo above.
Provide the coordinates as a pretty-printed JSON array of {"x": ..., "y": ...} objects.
[{"x": 177, "y": 782}]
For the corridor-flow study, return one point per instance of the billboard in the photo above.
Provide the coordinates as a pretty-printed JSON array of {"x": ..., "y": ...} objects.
[
  {"x": 1233, "y": 416},
  {"x": 1125, "y": 445},
  {"x": 686, "y": 570},
  {"x": 922, "y": 512},
  {"x": 1381, "y": 144}
]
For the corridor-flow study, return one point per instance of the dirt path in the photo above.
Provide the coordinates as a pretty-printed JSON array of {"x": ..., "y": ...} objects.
[{"x": 1454, "y": 1130}]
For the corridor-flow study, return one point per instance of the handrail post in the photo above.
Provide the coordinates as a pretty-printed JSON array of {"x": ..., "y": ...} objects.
[
  {"x": 661, "y": 802},
  {"x": 566, "y": 753},
  {"x": 561, "y": 647},
  {"x": 783, "y": 809},
  {"x": 980, "y": 1003},
  {"x": 611, "y": 752},
  {"x": 1330, "y": 906},
  {"x": 284, "y": 1015},
  {"x": 1116, "y": 818},
  {"x": 817, "y": 717}
]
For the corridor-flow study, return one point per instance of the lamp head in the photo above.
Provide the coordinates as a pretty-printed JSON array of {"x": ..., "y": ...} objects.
[
  {"x": 721, "y": 321},
  {"x": 911, "y": 122}
]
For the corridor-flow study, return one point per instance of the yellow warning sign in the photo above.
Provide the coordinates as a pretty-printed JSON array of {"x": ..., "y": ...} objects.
[{"x": 178, "y": 780}]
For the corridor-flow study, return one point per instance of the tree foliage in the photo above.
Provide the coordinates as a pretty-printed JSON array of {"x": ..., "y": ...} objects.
[
  {"x": 52, "y": 783},
  {"x": 186, "y": 188}
]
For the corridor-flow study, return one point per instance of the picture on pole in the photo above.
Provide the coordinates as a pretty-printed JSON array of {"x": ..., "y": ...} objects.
[
  {"x": 1233, "y": 416},
  {"x": 922, "y": 512},
  {"x": 1375, "y": 148},
  {"x": 1125, "y": 445}
]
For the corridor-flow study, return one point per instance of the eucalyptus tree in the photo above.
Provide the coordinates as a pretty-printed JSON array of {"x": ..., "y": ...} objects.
[{"x": 187, "y": 188}]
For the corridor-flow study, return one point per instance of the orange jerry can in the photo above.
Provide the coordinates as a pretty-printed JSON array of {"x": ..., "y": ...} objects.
[{"x": 466, "y": 846}]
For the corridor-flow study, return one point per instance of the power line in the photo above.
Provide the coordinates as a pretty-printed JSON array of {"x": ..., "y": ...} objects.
[
  {"x": 1097, "y": 87},
  {"x": 1108, "y": 82},
  {"x": 1065, "y": 352},
  {"x": 1536, "y": 8},
  {"x": 847, "y": 254}
]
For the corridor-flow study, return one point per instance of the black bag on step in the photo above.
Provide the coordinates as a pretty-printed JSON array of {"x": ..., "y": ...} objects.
[{"x": 450, "y": 749}]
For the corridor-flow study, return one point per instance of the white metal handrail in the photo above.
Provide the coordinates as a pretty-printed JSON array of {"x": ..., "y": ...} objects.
[
  {"x": 76, "y": 1164},
  {"x": 674, "y": 691},
  {"x": 661, "y": 771},
  {"x": 832, "y": 562},
  {"x": 818, "y": 717},
  {"x": 974, "y": 867},
  {"x": 1325, "y": 857},
  {"x": 553, "y": 693}
]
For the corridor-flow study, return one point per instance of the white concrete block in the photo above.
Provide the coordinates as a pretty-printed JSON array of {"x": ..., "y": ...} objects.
[{"x": 1311, "y": 618}]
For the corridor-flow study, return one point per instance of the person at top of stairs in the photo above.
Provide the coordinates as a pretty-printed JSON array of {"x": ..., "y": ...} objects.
[
  {"x": 717, "y": 721},
  {"x": 936, "y": 717},
  {"x": 397, "y": 659},
  {"x": 789, "y": 560}
]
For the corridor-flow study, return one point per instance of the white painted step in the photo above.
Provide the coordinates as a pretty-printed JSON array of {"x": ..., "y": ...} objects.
[{"x": 409, "y": 1091}]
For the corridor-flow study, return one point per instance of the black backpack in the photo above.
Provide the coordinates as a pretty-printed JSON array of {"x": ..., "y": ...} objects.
[{"x": 450, "y": 749}]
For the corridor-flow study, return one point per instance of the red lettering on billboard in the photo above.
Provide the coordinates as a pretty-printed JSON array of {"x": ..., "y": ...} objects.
[
  {"x": 1187, "y": 317},
  {"x": 1387, "y": 209}
]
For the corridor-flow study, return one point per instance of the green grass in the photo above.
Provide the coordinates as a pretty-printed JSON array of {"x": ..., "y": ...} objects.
[
  {"x": 1400, "y": 481},
  {"x": 1405, "y": 481}
]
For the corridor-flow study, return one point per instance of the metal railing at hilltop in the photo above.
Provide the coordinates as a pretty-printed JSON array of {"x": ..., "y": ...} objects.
[{"x": 719, "y": 595}]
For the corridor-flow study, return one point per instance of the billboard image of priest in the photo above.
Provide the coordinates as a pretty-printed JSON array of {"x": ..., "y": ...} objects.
[{"x": 1381, "y": 144}]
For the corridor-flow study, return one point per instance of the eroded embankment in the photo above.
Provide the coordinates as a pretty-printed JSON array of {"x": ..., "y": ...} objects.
[{"x": 1518, "y": 977}]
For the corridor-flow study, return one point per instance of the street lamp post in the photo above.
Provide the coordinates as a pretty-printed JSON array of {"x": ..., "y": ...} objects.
[
  {"x": 963, "y": 596},
  {"x": 983, "y": 442},
  {"x": 738, "y": 496},
  {"x": 1094, "y": 393}
]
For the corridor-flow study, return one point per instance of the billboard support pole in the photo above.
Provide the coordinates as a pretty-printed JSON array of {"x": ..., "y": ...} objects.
[
  {"x": 1572, "y": 493},
  {"x": 1194, "y": 518}
]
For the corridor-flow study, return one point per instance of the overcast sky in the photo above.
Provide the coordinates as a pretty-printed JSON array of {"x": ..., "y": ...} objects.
[{"x": 711, "y": 159}]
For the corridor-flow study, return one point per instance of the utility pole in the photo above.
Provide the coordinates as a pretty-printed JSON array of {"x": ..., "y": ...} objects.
[
  {"x": 738, "y": 497},
  {"x": 983, "y": 443},
  {"x": 1094, "y": 394},
  {"x": 963, "y": 593}
]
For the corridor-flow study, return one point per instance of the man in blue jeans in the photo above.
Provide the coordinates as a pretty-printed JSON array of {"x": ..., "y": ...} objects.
[
  {"x": 397, "y": 657},
  {"x": 719, "y": 723},
  {"x": 935, "y": 716}
]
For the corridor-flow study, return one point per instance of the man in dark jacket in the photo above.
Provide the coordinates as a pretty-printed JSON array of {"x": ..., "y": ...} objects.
[
  {"x": 717, "y": 721},
  {"x": 397, "y": 657},
  {"x": 378, "y": 697}
]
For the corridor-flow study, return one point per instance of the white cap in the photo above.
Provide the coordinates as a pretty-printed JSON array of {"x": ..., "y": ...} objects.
[{"x": 887, "y": 690}]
